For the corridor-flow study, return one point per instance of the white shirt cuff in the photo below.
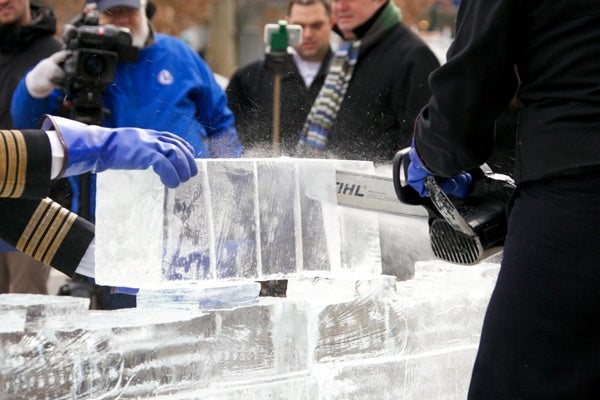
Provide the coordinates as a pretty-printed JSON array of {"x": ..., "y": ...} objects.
[
  {"x": 86, "y": 266},
  {"x": 58, "y": 154}
]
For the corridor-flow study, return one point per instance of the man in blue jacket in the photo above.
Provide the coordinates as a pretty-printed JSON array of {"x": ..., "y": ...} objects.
[{"x": 169, "y": 88}]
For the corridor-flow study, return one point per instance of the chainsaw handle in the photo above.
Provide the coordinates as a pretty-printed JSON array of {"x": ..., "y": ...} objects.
[
  {"x": 437, "y": 204},
  {"x": 405, "y": 193}
]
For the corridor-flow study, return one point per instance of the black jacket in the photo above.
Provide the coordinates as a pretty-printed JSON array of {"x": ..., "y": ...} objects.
[
  {"x": 250, "y": 97},
  {"x": 555, "y": 46},
  {"x": 387, "y": 90},
  {"x": 20, "y": 49},
  {"x": 30, "y": 221}
]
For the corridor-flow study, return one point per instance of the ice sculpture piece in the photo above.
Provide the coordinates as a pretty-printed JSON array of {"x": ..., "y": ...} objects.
[
  {"x": 237, "y": 219},
  {"x": 187, "y": 246},
  {"x": 278, "y": 209},
  {"x": 21, "y": 311},
  {"x": 129, "y": 228},
  {"x": 232, "y": 200},
  {"x": 12, "y": 320},
  {"x": 201, "y": 295}
]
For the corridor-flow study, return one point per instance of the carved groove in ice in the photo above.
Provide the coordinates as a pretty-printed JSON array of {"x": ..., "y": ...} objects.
[{"x": 237, "y": 219}]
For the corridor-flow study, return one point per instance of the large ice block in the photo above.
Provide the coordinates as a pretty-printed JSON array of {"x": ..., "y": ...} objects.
[
  {"x": 237, "y": 219},
  {"x": 333, "y": 337}
]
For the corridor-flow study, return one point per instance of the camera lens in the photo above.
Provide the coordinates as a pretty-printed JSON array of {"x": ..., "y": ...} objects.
[{"x": 94, "y": 64}]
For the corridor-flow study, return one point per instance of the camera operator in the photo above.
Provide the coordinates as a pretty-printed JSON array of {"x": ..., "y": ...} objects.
[{"x": 169, "y": 88}]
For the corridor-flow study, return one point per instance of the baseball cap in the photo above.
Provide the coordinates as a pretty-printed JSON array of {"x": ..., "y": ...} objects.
[{"x": 104, "y": 5}]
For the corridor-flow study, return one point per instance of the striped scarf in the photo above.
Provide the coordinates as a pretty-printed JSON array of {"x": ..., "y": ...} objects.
[
  {"x": 322, "y": 115},
  {"x": 324, "y": 110}
]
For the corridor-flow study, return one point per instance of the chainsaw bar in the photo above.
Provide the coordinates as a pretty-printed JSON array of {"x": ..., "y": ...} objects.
[{"x": 373, "y": 193}]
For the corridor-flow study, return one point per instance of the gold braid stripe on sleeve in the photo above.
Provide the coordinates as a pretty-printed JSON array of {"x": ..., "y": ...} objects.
[
  {"x": 13, "y": 167},
  {"x": 46, "y": 230}
]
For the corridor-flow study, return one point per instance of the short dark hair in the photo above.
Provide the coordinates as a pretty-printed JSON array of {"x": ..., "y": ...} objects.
[{"x": 290, "y": 3}]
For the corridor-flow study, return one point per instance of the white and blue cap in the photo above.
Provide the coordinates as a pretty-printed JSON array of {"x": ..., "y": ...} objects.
[{"x": 104, "y": 5}]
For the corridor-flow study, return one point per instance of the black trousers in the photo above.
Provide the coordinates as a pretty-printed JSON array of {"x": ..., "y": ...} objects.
[{"x": 540, "y": 338}]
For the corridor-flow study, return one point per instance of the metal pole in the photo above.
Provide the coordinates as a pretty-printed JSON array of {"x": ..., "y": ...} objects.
[{"x": 276, "y": 112}]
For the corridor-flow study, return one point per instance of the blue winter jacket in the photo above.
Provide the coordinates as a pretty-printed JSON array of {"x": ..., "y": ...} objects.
[{"x": 169, "y": 88}]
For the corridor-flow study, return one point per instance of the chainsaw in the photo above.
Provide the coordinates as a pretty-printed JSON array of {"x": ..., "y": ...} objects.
[{"x": 461, "y": 231}]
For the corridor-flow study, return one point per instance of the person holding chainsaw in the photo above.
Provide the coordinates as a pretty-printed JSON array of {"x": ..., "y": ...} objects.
[{"x": 539, "y": 339}]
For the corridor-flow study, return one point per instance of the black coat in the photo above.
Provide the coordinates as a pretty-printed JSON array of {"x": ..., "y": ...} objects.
[
  {"x": 20, "y": 49},
  {"x": 555, "y": 46},
  {"x": 387, "y": 90},
  {"x": 250, "y": 97},
  {"x": 31, "y": 222}
]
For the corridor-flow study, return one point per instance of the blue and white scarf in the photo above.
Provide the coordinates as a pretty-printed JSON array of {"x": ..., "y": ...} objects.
[{"x": 321, "y": 117}]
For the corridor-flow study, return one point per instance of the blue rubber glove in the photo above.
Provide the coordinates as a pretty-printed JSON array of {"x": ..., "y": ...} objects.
[
  {"x": 91, "y": 148},
  {"x": 457, "y": 186}
]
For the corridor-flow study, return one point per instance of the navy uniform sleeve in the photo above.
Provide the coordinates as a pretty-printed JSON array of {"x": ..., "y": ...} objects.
[
  {"x": 31, "y": 222},
  {"x": 455, "y": 131}
]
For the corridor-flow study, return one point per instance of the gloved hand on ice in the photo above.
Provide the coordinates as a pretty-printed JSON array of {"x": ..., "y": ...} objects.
[{"x": 90, "y": 148}]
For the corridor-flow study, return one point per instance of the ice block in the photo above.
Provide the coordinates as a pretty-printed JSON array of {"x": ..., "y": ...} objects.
[{"x": 237, "y": 219}]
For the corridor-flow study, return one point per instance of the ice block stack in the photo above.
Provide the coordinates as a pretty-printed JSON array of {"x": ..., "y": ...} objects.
[
  {"x": 332, "y": 338},
  {"x": 237, "y": 219}
]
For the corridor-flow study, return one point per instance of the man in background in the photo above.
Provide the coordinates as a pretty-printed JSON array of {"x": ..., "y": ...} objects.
[
  {"x": 376, "y": 85},
  {"x": 26, "y": 37},
  {"x": 250, "y": 90}
]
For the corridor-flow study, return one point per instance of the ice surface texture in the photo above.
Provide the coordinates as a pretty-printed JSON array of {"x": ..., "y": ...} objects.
[{"x": 333, "y": 337}]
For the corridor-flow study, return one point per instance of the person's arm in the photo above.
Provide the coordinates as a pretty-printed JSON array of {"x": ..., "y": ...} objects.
[
  {"x": 37, "y": 93},
  {"x": 411, "y": 92},
  {"x": 455, "y": 132},
  {"x": 215, "y": 115},
  {"x": 46, "y": 231},
  {"x": 40, "y": 227},
  {"x": 31, "y": 222}
]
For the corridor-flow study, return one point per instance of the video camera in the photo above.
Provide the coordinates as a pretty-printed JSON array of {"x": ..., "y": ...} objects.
[
  {"x": 95, "y": 50},
  {"x": 92, "y": 63},
  {"x": 277, "y": 38},
  {"x": 91, "y": 66}
]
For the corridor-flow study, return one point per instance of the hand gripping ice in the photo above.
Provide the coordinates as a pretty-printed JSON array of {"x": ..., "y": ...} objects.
[
  {"x": 90, "y": 148},
  {"x": 457, "y": 185}
]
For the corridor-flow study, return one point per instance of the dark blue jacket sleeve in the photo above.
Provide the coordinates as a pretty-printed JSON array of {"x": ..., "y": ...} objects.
[{"x": 26, "y": 110}]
